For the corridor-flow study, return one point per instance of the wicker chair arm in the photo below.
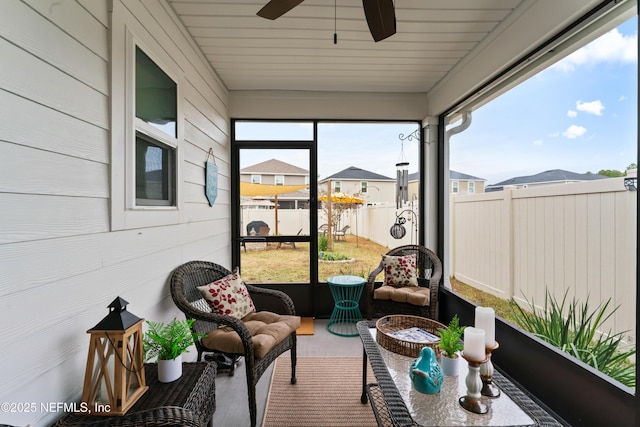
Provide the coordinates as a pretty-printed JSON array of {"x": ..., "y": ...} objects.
[{"x": 285, "y": 299}]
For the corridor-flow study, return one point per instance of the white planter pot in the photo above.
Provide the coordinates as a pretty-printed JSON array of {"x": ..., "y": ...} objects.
[
  {"x": 450, "y": 367},
  {"x": 169, "y": 370}
]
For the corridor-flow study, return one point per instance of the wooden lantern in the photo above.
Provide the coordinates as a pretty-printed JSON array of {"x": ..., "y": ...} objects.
[{"x": 114, "y": 379}]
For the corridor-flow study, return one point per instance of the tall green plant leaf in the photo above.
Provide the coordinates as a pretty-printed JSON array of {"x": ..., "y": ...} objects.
[{"x": 575, "y": 329}]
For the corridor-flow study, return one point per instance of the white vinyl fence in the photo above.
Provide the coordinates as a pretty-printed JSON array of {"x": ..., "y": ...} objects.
[{"x": 578, "y": 237}]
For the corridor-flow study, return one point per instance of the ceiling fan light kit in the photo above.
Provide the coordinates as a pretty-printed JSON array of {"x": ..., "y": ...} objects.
[{"x": 380, "y": 15}]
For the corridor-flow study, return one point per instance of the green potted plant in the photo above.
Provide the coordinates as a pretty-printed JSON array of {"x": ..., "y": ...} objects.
[
  {"x": 167, "y": 342},
  {"x": 450, "y": 345}
]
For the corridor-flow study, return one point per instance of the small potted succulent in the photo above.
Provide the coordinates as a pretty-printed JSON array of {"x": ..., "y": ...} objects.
[
  {"x": 167, "y": 343},
  {"x": 450, "y": 345}
]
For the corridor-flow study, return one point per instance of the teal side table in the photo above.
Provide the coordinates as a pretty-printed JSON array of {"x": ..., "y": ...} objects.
[{"x": 346, "y": 292}]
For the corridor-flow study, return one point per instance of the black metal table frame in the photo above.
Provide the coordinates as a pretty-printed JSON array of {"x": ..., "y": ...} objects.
[{"x": 398, "y": 411}]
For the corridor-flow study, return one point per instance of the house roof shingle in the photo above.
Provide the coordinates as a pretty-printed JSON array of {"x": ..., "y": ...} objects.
[
  {"x": 275, "y": 167},
  {"x": 355, "y": 173},
  {"x": 553, "y": 175},
  {"x": 458, "y": 176}
]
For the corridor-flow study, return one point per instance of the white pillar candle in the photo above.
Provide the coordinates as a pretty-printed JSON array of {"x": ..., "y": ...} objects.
[
  {"x": 486, "y": 320},
  {"x": 474, "y": 347}
]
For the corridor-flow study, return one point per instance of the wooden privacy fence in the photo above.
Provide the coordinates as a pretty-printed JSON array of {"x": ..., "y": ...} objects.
[{"x": 579, "y": 237}]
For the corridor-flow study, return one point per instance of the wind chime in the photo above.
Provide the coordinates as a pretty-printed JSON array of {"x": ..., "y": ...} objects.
[{"x": 402, "y": 177}]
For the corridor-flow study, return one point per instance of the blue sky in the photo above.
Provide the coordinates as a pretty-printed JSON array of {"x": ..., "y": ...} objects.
[{"x": 579, "y": 115}]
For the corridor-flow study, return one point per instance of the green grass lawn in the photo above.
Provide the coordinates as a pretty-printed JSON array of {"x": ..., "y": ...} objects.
[{"x": 288, "y": 265}]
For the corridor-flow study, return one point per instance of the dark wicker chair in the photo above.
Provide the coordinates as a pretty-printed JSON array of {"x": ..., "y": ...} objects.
[
  {"x": 429, "y": 272},
  {"x": 184, "y": 282}
]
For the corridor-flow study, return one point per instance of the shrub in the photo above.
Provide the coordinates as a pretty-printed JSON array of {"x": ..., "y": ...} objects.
[
  {"x": 323, "y": 243},
  {"x": 334, "y": 256},
  {"x": 573, "y": 328}
]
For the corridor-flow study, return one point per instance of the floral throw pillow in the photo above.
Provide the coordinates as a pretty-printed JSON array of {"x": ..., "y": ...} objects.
[
  {"x": 400, "y": 271},
  {"x": 228, "y": 296}
]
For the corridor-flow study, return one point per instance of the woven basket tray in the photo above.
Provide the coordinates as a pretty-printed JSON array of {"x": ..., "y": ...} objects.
[{"x": 388, "y": 325}]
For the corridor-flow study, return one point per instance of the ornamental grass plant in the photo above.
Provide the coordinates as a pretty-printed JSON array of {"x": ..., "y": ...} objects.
[{"x": 576, "y": 329}]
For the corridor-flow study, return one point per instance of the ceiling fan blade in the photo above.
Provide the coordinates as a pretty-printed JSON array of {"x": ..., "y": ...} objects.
[
  {"x": 276, "y": 8},
  {"x": 381, "y": 18}
]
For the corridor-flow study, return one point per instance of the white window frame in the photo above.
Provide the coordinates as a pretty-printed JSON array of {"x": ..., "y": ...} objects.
[
  {"x": 455, "y": 187},
  {"x": 363, "y": 186},
  {"x": 125, "y": 213},
  {"x": 472, "y": 187},
  {"x": 337, "y": 186},
  {"x": 256, "y": 179},
  {"x": 278, "y": 180}
]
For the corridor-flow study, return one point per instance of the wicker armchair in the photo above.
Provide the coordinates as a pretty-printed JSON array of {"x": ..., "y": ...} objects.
[
  {"x": 429, "y": 272},
  {"x": 184, "y": 282}
]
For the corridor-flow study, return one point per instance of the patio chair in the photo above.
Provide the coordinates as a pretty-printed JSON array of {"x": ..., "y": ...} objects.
[
  {"x": 323, "y": 229},
  {"x": 260, "y": 336},
  {"x": 292, "y": 244},
  {"x": 418, "y": 298},
  {"x": 342, "y": 233}
]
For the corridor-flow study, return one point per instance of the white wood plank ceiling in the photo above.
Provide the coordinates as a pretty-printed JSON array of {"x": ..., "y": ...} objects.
[{"x": 297, "y": 52}]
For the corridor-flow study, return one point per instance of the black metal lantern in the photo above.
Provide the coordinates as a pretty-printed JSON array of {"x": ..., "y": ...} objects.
[
  {"x": 114, "y": 379},
  {"x": 397, "y": 230}
]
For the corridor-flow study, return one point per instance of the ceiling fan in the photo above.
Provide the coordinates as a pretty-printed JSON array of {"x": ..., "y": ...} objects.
[{"x": 380, "y": 14}]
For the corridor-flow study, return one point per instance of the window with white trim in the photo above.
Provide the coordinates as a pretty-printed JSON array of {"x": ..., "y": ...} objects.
[
  {"x": 279, "y": 180},
  {"x": 363, "y": 187},
  {"x": 156, "y": 134},
  {"x": 472, "y": 187},
  {"x": 337, "y": 186},
  {"x": 256, "y": 179},
  {"x": 455, "y": 187}
]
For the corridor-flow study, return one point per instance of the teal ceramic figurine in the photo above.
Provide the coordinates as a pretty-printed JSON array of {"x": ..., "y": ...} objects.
[{"x": 425, "y": 372}]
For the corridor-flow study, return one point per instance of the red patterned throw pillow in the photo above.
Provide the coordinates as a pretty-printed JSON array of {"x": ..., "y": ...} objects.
[
  {"x": 228, "y": 296},
  {"x": 400, "y": 271}
]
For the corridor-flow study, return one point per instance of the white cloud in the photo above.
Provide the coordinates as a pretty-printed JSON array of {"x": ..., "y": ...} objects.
[
  {"x": 572, "y": 113},
  {"x": 537, "y": 142},
  {"x": 611, "y": 47},
  {"x": 593, "y": 107},
  {"x": 574, "y": 132},
  {"x": 554, "y": 134},
  {"x": 622, "y": 98}
]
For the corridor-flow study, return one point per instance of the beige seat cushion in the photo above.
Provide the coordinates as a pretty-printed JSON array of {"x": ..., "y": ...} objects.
[
  {"x": 409, "y": 294},
  {"x": 266, "y": 328}
]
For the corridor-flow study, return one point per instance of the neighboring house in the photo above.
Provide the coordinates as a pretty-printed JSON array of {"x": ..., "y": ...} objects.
[
  {"x": 459, "y": 183},
  {"x": 550, "y": 177},
  {"x": 277, "y": 172},
  {"x": 370, "y": 186}
]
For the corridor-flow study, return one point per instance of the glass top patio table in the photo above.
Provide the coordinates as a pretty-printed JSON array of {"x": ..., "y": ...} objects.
[{"x": 409, "y": 407}]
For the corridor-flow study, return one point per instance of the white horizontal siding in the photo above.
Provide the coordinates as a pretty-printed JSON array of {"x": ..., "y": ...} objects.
[
  {"x": 55, "y": 131},
  {"x": 60, "y": 266}
]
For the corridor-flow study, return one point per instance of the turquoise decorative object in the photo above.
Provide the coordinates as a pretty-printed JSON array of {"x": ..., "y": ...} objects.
[
  {"x": 425, "y": 372},
  {"x": 211, "y": 178}
]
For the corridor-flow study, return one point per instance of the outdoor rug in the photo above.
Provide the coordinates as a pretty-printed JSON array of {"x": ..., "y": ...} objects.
[
  {"x": 306, "y": 326},
  {"x": 327, "y": 394}
]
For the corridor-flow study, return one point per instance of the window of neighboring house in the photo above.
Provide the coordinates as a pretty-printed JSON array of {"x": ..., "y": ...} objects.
[
  {"x": 279, "y": 180},
  {"x": 363, "y": 187},
  {"x": 307, "y": 181},
  {"x": 156, "y": 134},
  {"x": 455, "y": 186},
  {"x": 256, "y": 179},
  {"x": 472, "y": 187},
  {"x": 337, "y": 186}
]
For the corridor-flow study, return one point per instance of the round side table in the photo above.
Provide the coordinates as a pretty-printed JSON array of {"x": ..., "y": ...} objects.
[{"x": 346, "y": 292}]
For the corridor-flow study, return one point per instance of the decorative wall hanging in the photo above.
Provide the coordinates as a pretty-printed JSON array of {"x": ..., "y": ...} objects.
[{"x": 211, "y": 178}]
